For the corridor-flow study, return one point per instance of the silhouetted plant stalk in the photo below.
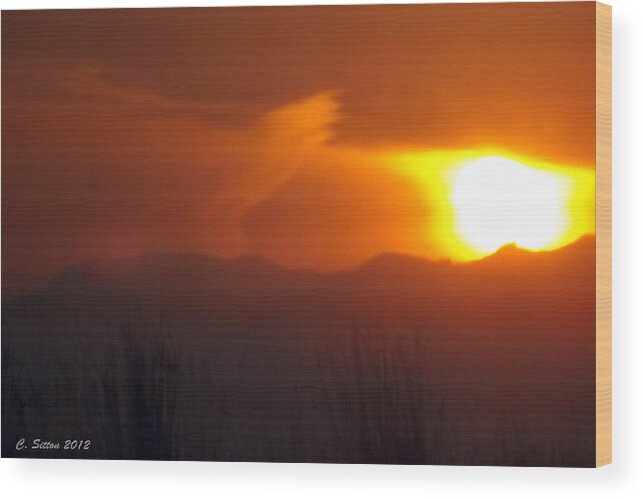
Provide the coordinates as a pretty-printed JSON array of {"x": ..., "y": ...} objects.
[{"x": 376, "y": 400}]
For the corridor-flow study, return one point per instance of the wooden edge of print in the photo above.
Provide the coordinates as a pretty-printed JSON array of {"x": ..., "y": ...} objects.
[{"x": 603, "y": 234}]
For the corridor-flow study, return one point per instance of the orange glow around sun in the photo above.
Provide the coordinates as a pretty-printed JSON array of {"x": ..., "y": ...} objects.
[{"x": 482, "y": 200}]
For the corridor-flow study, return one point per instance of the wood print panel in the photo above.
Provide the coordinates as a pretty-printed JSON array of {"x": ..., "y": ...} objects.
[{"x": 349, "y": 234}]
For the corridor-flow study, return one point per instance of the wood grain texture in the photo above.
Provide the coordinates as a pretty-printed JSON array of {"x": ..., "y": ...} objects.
[{"x": 603, "y": 234}]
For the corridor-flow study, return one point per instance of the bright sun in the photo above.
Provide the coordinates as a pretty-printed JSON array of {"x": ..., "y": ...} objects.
[
  {"x": 497, "y": 201},
  {"x": 479, "y": 200}
]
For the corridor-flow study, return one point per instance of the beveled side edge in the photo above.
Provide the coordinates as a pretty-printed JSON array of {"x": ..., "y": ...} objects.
[{"x": 603, "y": 234}]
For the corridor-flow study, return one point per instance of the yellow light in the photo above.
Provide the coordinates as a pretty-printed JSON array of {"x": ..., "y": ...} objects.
[
  {"x": 499, "y": 201},
  {"x": 480, "y": 200}
]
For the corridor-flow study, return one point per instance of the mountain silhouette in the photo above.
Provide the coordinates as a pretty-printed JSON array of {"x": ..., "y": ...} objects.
[
  {"x": 539, "y": 293},
  {"x": 199, "y": 273}
]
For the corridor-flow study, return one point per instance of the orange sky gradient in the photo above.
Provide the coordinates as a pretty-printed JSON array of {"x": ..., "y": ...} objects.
[{"x": 313, "y": 136}]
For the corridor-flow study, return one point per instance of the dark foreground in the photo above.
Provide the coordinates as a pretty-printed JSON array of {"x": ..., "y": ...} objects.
[{"x": 398, "y": 361}]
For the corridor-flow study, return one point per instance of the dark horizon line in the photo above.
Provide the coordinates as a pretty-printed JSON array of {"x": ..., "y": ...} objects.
[{"x": 103, "y": 265}]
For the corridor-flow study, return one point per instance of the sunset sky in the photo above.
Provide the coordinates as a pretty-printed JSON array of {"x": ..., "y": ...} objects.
[{"x": 314, "y": 136}]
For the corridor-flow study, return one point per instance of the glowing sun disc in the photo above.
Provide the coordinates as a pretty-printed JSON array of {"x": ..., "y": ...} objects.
[{"x": 499, "y": 201}]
